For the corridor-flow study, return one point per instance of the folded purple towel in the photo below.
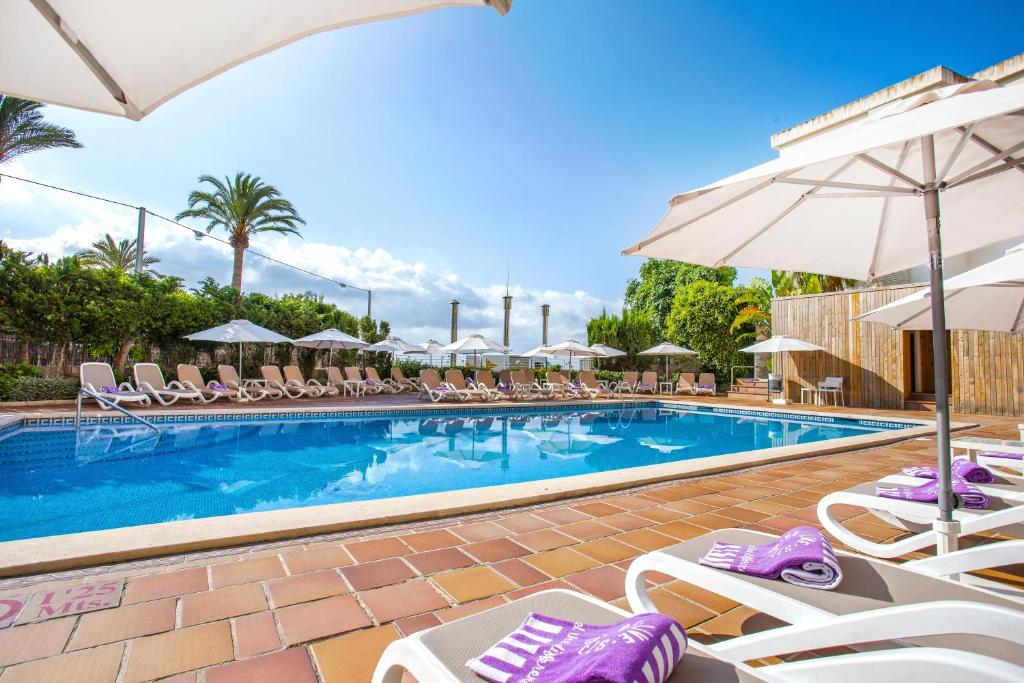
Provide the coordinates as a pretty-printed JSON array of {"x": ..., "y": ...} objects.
[
  {"x": 961, "y": 467},
  {"x": 109, "y": 390},
  {"x": 645, "y": 647},
  {"x": 505, "y": 388},
  {"x": 802, "y": 556},
  {"x": 705, "y": 386},
  {"x": 370, "y": 382},
  {"x": 966, "y": 495},
  {"x": 217, "y": 387},
  {"x": 1007, "y": 456}
]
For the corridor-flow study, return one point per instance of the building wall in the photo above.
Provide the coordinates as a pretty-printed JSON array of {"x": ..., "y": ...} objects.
[{"x": 987, "y": 370}]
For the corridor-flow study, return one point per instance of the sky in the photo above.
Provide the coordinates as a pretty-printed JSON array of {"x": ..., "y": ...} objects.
[{"x": 432, "y": 154}]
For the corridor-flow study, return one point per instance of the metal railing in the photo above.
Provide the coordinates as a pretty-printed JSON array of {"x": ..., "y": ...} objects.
[{"x": 83, "y": 392}]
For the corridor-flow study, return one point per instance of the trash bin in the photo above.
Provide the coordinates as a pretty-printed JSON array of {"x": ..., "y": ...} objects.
[{"x": 774, "y": 383}]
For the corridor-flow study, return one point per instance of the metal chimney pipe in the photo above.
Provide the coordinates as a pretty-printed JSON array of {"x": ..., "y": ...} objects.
[
  {"x": 455, "y": 326},
  {"x": 508, "y": 315},
  {"x": 545, "y": 311}
]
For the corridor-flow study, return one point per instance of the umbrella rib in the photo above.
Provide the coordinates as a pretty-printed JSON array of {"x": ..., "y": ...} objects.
[
  {"x": 980, "y": 175},
  {"x": 102, "y": 75},
  {"x": 948, "y": 297},
  {"x": 887, "y": 169},
  {"x": 1006, "y": 154},
  {"x": 1017, "y": 320},
  {"x": 966, "y": 134},
  {"x": 847, "y": 186},
  {"x": 985, "y": 144},
  {"x": 885, "y": 214}
]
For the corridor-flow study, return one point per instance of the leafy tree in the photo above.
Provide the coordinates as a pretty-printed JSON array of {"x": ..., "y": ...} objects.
[
  {"x": 119, "y": 256},
  {"x": 753, "y": 322},
  {"x": 631, "y": 332},
  {"x": 242, "y": 207},
  {"x": 793, "y": 283},
  {"x": 22, "y": 297},
  {"x": 701, "y": 317},
  {"x": 660, "y": 280},
  {"x": 23, "y": 130}
]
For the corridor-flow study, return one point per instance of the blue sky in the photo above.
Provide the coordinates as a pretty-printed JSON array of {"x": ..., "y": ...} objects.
[{"x": 428, "y": 152}]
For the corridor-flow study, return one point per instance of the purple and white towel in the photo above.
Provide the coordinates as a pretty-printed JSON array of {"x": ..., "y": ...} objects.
[
  {"x": 214, "y": 386},
  {"x": 109, "y": 390},
  {"x": 961, "y": 467},
  {"x": 965, "y": 494},
  {"x": 641, "y": 649},
  {"x": 802, "y": 556},
  {"x": 1006, "y": 456}
]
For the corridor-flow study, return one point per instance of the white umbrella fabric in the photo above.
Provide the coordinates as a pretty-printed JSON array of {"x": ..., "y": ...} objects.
[
  {"x": 431, "y": 346},
  {"x": 239, "y": 332},
  {"x": 394, "y": 346},
  {"x": 606, "y": 351},
  {"x": 128, "y": 58},
  {"x": 330, "y": 339},
  {"x": 780, "y": 343},
  {"x": 989, "y": 297},
  {"x": 863, "y": 201},
  {"x": 570, "y": 348},
  {"x": 666, "y": 349},
  {"x": 536, "y": 352},
  {"x": 475, "y": 344}
]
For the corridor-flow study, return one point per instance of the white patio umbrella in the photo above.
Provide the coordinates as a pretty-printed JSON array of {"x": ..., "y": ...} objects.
[
  {"x": 570, "y": 348},
  {"x": 431, "y": 346},
  {"x": 239, "y": 332},
  {"x": 606, "y": 351},
  {"x": 989, "y": 297},
  {"x": 780, "y": 343},
  {"x": 128, "y": 58},
  {"x": 475, "y": 344},
  {"x": 394, "y": 346},
  {"x": 666, "y": 349},
  {"x": 862, "y": 201},
  {"x": 330, "y": 339}
]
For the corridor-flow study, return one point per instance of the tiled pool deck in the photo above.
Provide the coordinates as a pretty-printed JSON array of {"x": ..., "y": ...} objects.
[{"x": 322, "y": 609}]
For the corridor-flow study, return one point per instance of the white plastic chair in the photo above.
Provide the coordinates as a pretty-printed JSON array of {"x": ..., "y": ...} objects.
[{"x": 834, "y": 386}]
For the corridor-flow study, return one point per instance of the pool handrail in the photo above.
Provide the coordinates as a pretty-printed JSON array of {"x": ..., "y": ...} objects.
[{"x": 82, "y": 392}]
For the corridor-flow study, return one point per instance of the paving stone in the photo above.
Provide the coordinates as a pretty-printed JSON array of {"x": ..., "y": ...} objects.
[
  {"x": 545, "y": 539},
  {"x": 96, "y": 665},
  {"x": 376, "y": 574},
  {"x": 402, "y": 600},
  {"x": 166, "y": 585},
  {"x": 597, "y": 509},
  {"x": 185, "y": 649},
  {"x": 292, "y": 665},
  {"x": 352, "y": 658},
  {"x": 626, "y": 521},
  {"x": 685, "y": 612},
  {"x": 124, "y": 623},
  {"x": 646, "y": 539},
  {"x": 473, "y": 583},
  {"x": 434, "y": 561},
  {"x": 305, "y": 587},
  {"x": 701, "y": 596},
  {"x": 561, "y": 515},
  {"x": 481, "y": 531},
  {"x": 420, "y": 622},
  {"x": 681, "y": 529},
  {"x": 559, "y": 562},
  {"x": 312, "y": 620},
  {"x": 315, "y": 559},
  {"x": 379, "y": 549},
  {"x": 606, "y": 550},
  {"x": 77, "y": 599},
  {"x": 498, "y": 549},
  {"x": 33, "y": 641},
  {"x": 246, "y": 571},
  {"x": 256, "y": 634},
  {"x": 607, "y": 582},
  {"x": 431, "y": 540},
  {"x": 466, "y": 609},
  {"x": 588, "y": 530},
  {"x": 199, "y": 608},
  {"x": 524, "y": 523},
  {"x": 520, "y": 572}
]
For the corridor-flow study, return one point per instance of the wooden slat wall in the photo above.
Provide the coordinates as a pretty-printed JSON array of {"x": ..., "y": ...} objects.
[{"x": 987, "y": 367}]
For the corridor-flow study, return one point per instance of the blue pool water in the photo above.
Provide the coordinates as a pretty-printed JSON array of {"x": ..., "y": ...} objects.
[{"x": 56, "y": 481}]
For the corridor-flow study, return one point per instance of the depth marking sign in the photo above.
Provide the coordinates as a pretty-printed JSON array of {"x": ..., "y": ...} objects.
[{"x": 86, "y": 597}]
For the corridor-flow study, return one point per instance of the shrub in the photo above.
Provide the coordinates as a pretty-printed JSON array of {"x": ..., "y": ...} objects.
[
  {"x": 11, "y": 372},
  {"x": 43, "y": 388}
]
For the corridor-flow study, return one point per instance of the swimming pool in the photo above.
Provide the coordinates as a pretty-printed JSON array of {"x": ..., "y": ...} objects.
[{"x": 54, "y": 480}]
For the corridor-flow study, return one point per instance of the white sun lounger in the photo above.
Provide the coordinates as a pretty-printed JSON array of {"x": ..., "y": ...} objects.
[
  {"x": 438, "y": 654},
  {"x": 388, "y": 385},
  {"x": 433, "y": 389},
  {"x": 275, "y": 380},
  {"x": 99, "y": 379},
  {"x": 456, "y": 381},
  {"x": 293, "y": 378},
  {"x": 190, "y": 378},
  {"x": 149, "y": 378},
  {"x": 249, "y": 389},
  {"x": 407, "y": 383},
  {"x": 346, "y": 386}
]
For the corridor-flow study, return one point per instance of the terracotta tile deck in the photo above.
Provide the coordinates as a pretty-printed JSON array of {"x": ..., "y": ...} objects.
[{"x": 322, "y": 609}]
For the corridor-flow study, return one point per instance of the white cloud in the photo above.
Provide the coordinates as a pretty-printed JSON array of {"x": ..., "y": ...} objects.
[{"x": 413, "y": 296}]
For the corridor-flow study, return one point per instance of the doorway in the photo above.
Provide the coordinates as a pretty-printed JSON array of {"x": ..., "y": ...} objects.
[{"x": 919, "y": 364}]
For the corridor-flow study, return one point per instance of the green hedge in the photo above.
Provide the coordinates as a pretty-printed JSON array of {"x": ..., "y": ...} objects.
[
  {"x": 11, "y": 373},
  {"x": 43, "y": 389}
]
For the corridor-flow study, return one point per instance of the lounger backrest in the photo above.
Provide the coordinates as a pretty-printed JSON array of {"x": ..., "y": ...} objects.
[
  {"x": 228, "y": 375},
  {"x": 97, "y": 374},
  {"x": 505, "y": 376},
  {"x": 190, "y": 374},
  {"x": 293, "y": 374},
  {"x": 396, "y": 375},
  {"x": 431, "y": 378},
  {"x": 630, "y": 377},
  {"x": 686, "y": 380},
  {"x": 352, "y": 374},
  {"x": 707, "y": 379},
  {"x": 150, "y": 374},
  {"x": 372, "y": 374},
  {"x": 485, "y": 378},
  {"x": 588, "y": 379},
  {"x": 334, "y": 375},
  {"x": 272, "y": 374},
  {"x": 454, "y": 377},
  {"x": 555, "y": 377},
  {"x": 650, "y": 378}
]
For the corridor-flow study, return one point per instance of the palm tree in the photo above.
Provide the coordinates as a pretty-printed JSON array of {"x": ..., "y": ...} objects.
[
  {"x": 120, "y": 256},
  {"x": 242, "y": 207},
  {"x": 22, "y": 129}
]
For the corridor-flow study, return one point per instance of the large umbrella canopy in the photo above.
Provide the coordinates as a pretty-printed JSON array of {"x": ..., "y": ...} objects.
[
  {"x": 128, "y": 58},
  {"x": 570, "y": 348},
  {"x": 780, "y": 343},
  {"x": 431, "y": 346},
  {"x": 330, "y": 339},
  {"x": 474, "y": 344},
  {"x": 862, "y": 201},
  {"x": 239, "y": 332},
  {"x": 395, "y": 345},
  {"x": 989, "y": 297},
  {"x": 536, "y": 352},
  {"x": 606, "y": 351},
  {"x": 666, "y": 349}
]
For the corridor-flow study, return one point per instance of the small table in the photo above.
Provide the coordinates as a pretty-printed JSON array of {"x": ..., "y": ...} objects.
[
  {"x": 664, "y": 387},
  {"x": 812, "y": 390}
]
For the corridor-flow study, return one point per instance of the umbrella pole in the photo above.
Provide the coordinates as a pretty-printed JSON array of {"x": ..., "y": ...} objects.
[
  {"x": 947, "y": 530},
  {"x": 240, "y": 378}
]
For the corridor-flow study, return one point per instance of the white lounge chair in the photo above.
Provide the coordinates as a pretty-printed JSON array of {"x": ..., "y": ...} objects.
[
  {"x": 590, "y": 387},
  {"x": 457, "y": 381},
  {"x": 352, "y": 374},
  {"x": 484, "y": 380},
  {"x": 345, "y": 385},
  {"x": 190, "y": 378},
  {"x": 389, "y": 386},
  {"x": 438, "y": 654},
  {"x": 648, "y": 383},
  {"x": 705, "y": 385},
  {"x": 249, "y": 389},
  {"x": 99, "y": 379},
  {"x": 433, "y": 389},
  {"x": 627, "y": 385},
  {"x": 293, "y": 378},
  {"x": 275, "y": 380},
  {"x": 149, "y": 378},
  {"x": 407, "y": 383},
  {"x": 687, "y": 384}
]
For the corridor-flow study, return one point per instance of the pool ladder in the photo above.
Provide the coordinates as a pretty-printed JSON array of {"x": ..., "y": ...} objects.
[{"x": 83, "y": 392}]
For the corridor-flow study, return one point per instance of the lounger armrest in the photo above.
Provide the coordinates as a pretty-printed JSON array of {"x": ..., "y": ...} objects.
[
  {"x": 175, "y": 384},
  {"x": 903, "y": 664},
  {"x": 998, "y": 554},
  {"x": 126, "y": 386},
  {"x": 947, "y": 617}
]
